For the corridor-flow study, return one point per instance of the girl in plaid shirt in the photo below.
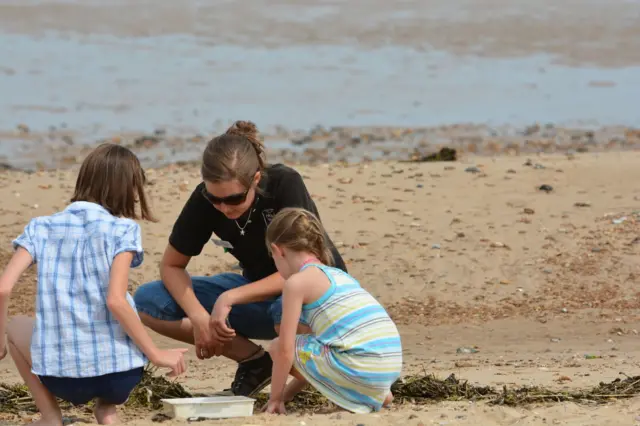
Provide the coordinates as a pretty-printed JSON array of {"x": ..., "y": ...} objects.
[{"x": 87, "y": 341}]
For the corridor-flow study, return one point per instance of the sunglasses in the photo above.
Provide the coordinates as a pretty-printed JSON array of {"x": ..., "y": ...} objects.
[{"x": 230, "y": 200}]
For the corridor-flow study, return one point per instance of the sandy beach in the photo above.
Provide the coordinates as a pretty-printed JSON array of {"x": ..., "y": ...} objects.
[
  {"x": 462, "y": 254},
  {"x": 541, "y": 283}
]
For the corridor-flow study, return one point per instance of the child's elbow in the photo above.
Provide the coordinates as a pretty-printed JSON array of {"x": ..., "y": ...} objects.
[
  {"x": 281, "y": 349},
  {"x": 115, "y": 303}
]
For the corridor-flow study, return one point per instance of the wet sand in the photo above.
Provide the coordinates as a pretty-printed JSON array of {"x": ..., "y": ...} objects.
[
  {"x": 100, "y": 68},
  {"x": 460, "y": 257},
  {"x": 602, "y": 33}
]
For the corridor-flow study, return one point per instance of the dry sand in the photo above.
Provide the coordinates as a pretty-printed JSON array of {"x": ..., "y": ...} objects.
[{"x": 534, "y": 290}]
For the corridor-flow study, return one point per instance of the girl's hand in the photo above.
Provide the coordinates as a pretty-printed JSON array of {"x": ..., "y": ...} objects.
[
  {"x": 173, "y": 359},
  {"x": 275, "y": 407},
  {"x": 220, "y": 331}
]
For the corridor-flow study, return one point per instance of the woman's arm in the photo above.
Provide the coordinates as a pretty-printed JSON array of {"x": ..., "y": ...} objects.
[
  {"x": 283, "y": 350},
  {"x": 177, "y": 281},
  {"x": 19, "y": 263},
  {"x": 257, "y": 291}
]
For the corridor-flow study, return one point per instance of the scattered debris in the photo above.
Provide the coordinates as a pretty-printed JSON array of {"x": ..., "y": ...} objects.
[{"x": 445, "y": 154}]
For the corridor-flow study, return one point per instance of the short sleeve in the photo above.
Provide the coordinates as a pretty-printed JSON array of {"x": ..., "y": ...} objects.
[
  {"x": 292, "y": 192},
  {"x": 130, "y": 240},
  {"x": 26, "y": 240},
  {"x": 194, "y": 226}
]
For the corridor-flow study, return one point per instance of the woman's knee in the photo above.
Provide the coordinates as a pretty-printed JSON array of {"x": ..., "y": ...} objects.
[{"x": 153, "y": 300}]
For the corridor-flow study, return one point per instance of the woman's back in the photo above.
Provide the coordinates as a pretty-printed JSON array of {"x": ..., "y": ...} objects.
[{"x": 75, "y": 335}]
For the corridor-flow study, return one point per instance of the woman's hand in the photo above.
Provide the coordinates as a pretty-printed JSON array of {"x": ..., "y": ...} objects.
[
  {"x": 204, "y": 342},
  {"x": 275, "y": 407},
  {"x": 221, "y": 332}
]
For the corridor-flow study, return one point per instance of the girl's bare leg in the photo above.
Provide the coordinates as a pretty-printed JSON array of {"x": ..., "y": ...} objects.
[
  {"x": 295, "y": 385},
  {"x": 19, "y": 332},
  {"x": 388, "y": 400},
  {"x": 106, "y": 414}
]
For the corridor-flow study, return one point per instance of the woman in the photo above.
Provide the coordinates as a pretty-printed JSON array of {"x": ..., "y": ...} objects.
[{"x": 235, "y": 203}]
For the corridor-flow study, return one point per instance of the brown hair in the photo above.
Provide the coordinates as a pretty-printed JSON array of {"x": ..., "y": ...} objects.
[
  {"x": 112, "y": 176},
  {"x": 299, "y": 230},
  {"x": 237, "y": 154}
]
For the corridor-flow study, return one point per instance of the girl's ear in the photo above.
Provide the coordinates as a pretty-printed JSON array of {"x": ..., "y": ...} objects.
[
  {"x": 256, "y": 177},
  {"x": 276, "y": 250}
]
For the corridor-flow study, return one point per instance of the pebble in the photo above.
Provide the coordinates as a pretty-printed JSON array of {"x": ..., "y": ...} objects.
[
  {"x": 436, "y": 246},
  {"x": 565, "y": 311},
  {"x": 466, "y": 350},
  {"x": 619, "y": 221},
  {"x": 547, "y": 270},
  {"x": 582, "y": 204},
  {"x": 555, "y": 339},
  {"x": 472, "y": 170},
  {"x": 546, "y": 188},
  {"x": 529, "y": 211}
]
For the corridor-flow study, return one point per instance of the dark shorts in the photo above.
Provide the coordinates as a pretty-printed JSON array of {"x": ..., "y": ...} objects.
[
  {"x": 111, "y": 388},
  {"x": 253, "y": 320}
]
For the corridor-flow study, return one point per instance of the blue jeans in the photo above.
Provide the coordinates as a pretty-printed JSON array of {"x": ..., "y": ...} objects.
[{"x": 253, "y": 320}]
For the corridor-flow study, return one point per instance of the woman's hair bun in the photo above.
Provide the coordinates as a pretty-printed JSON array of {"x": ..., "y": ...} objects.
[{"x": 247, "y": 129}]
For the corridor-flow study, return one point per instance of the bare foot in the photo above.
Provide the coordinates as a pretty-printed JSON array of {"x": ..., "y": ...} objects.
[
  {"x": 106, "y": 414},
  {"x": 388, "y": 400}
]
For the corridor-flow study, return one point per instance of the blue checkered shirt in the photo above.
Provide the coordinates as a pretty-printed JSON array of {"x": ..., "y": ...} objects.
[{"x": 75, "y": 334}]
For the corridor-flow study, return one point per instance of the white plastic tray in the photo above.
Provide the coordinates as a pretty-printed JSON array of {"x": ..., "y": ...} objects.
[{"x": 215, "y": 407}]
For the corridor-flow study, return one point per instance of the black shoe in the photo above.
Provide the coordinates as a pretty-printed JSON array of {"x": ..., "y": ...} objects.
[{"x": 252, "y": 376}]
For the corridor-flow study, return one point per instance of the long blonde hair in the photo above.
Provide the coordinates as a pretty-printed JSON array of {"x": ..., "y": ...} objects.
[{"x": 299, "y": 230}]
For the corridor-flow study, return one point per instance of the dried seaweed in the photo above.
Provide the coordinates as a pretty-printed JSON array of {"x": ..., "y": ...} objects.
[{"x": 417, "y": 390}]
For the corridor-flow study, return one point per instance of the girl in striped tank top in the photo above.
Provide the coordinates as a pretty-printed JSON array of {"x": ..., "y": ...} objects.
[{"x": 334, "y": 335}]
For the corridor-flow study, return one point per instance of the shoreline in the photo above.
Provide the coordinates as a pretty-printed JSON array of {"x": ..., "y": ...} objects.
[{"x": 59, "y": 148}]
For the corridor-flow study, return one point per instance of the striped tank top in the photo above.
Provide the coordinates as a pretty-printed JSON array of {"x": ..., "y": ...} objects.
[{"x": 355, "y": 351}]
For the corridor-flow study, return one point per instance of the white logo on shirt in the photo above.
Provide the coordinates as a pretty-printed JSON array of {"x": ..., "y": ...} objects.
[{"x": 268, "y": 215}]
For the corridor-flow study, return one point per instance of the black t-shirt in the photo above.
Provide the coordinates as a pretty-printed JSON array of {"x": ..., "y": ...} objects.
[{"x": 199, "y": 220}]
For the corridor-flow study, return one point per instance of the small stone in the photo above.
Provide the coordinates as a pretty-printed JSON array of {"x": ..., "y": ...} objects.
[
  {"x": 345, "y": 181},
  {"x": 436, "y": 246},
  {"x": 460, "y": 235},
  {"x": 539, "y": 166},
  {"x": 582, "y": 204},
  {"x": 555, "y": 339},
  {"x": 547, "y": 270},
  {"x": 529, "y": 211},
  {"x": 565, "y": 311},
  {"x": 466, "y": 350},
  {"x": 545, "y": 188},
  {"x": 472, "y": 169}
]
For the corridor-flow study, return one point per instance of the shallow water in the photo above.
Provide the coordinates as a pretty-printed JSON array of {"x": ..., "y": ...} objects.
[{"x": 103, "y": 67}]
